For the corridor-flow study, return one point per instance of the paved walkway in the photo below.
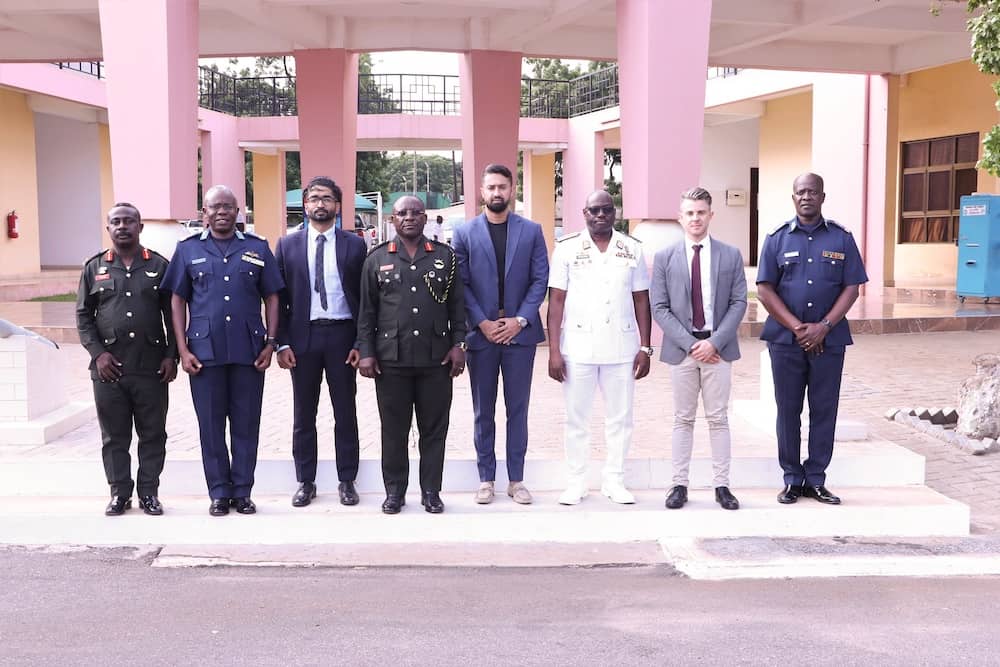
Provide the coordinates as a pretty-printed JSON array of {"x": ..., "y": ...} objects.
[{"x": 882, "y": 372}]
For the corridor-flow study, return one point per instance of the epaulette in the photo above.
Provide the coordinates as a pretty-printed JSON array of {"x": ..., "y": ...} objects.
[
  {"x": 190, "y": 237},
  {"x": 629, "y": 236},
  {"x": 566, "y": 237},
  {"x": 254, "y": 236},
  {"x": 837, "y": 225},
  {"x": 153, "y": 252},
  {"x": 93, "y": 257},
  {"x": 779, "y": 227},
  {"x": 378, "y": 246}
]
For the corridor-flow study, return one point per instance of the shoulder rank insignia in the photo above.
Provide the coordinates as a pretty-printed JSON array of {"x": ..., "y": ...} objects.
[
  {"x": 567, "y": 237},
  {"x": 837, "y": 225},
  {"x": 778, "y": 228},
  {"x": 392, "y": 246}
]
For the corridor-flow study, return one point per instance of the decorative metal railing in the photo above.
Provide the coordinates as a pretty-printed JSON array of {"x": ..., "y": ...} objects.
[
  {"x": 91, "y": 67},
  {"x": 427, "y": 94}
]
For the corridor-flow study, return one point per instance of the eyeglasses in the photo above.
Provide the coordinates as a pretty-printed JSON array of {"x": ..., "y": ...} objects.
[
  {"x": 597, "y": 210},
  {"x": 328, "y": 201},
  {"x": 221, "y": 207},
  {"x": 413, "y": 212}
]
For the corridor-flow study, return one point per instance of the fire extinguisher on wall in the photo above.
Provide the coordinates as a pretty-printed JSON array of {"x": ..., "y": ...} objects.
[{"x": 12, "y": 225}]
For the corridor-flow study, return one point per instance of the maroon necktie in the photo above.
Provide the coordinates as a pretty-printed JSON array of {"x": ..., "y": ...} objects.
[
  {"x": 697, "y": 305},
  {"x": 320, "y": 285}
]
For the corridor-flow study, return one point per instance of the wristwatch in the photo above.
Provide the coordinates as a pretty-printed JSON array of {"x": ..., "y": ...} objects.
[
  {"x": 648, "y": 350},
  {"x": 462, "y": 346},
  {"x": 273, "y": 342},
  {"x": 522, "y": 321},
  {"x": 826, "y": 323}
]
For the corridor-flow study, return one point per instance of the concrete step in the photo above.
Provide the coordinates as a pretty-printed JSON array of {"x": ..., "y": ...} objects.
[
  {"x": 861, "y": 463},
  {"x": 901, "y": 511}
]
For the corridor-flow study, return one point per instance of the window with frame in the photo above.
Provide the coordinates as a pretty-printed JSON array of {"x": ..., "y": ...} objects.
[{"x": 935, "y": 174}]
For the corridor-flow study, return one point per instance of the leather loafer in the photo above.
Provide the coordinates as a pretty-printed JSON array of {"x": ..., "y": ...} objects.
[
  {"x": 724, "y": 497},
  {"x": 820, "y": 493},
  {"x": 677, "y": 497},
  {"x": 151, "y": 505},
  {"x": 219, "y": 507},
  {"x": 393, "y": 504},
  {"x": 789, "y": 494},
  {"x": 118, "y": 505},
  {"x": 244, "y": 506},
  {"x": 348, "y": 494},
  {"x": 305, "y": 494},
  {"x": 431, "y": 500}
]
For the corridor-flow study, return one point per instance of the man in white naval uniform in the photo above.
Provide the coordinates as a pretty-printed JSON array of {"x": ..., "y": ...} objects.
[{"x": 599, "y": 329}]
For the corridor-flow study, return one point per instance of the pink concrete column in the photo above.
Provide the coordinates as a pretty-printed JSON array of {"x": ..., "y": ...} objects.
[
  {"x": 840, "y": 122},
  {"x": 491, "y": 110},
  {"x": 583, "y": 170},
  {"x": 876, "y": 241},
  {"x": 222, "y": 159},
  {"x": 152, "y": 92},
  {"x": 327, "y": 94},
  {"x": 662, "y": 62}
]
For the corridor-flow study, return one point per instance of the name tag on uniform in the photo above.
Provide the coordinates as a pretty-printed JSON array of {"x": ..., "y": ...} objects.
[
  {"x": 792, "y": 253},
  {"x": 833, "y": 255},
  {"x": 199, "y": 260},
  {"x": 102, "y": 276},
  {"x": 386, "y": 267},
  {"x": 252, "y": 260}
]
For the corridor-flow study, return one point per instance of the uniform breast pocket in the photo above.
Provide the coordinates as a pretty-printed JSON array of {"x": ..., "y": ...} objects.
[
  {"x": 201, "y": 275},
  {"x": 388, "y": 281},
  {"x": 791, "y": 266},
  {"x": 249, "y": 275},
  {"x": 833, "y": 269},
  {"x": 103, "y": 289}
]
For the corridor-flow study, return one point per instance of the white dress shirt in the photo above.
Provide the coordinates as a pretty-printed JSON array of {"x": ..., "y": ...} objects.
[
  {"x": 337, "y": 308},
  {"x": 706, "y": 274}
]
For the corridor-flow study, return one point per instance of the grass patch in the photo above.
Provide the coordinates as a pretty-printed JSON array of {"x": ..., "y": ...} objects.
[{"x": 68, "y": 296}]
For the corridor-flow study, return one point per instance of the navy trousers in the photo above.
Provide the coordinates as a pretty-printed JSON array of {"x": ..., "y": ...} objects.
[
  {"x": 516, "y": 363},
  {"x": 798, "y": 374},
  {"x": 230, "y": 392},
  {"x": 329, "y": 345}
]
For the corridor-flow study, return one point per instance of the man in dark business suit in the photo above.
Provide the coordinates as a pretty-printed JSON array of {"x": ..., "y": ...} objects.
[
  {"x": 317, "y": 327},
  {"x": 504, "y": 266},
  {"x": 698, "y": 295}
]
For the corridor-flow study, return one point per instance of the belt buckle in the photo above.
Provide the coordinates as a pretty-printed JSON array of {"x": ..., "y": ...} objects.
[{"x": 501, "y": 313}]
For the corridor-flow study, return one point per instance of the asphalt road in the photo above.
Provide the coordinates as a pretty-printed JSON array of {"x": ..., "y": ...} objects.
[{"x": 108, "y": 607}]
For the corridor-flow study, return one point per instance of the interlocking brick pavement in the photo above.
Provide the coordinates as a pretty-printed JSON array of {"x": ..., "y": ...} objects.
[{"x": 904, "y": 370}]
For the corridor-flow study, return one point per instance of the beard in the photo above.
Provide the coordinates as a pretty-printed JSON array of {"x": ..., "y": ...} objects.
[
  {"x": 497, "y": 206},
  {"x": 321, "y": 215}
]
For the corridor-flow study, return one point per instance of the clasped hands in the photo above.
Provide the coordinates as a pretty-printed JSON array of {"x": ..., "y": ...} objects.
[
  {"x": 500, "y": 331},
  {"x": 810, "y": 336}
]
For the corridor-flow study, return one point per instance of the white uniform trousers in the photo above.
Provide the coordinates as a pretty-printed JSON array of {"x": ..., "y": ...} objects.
[
  {"x": 713, "y": 382},
  {"x": 617, "y": 386}
]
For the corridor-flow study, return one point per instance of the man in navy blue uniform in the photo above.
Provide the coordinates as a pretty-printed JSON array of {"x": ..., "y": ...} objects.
[
  {"x": 808, "y": 278},
  {"x": 321, "y": 267},
  {"x": 221, "y": 276}
]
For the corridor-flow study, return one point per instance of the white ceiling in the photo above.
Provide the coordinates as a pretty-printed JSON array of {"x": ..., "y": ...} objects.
[{"x": 882, "y": 36}]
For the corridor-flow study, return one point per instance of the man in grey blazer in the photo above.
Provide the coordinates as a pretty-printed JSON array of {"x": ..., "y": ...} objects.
[{"x": 698, "y": 296}]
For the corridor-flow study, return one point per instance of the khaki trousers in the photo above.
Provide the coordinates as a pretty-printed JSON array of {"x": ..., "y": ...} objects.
[{"x": 713, "y": 381}]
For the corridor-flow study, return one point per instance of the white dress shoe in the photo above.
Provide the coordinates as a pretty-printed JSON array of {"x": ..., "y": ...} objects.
[
  {"x": 618, "y": 493},
  {"x": 573, "y": 494}
]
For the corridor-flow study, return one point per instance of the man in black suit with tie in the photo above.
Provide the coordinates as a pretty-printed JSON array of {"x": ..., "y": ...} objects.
[{"x": 317, "y": 328}]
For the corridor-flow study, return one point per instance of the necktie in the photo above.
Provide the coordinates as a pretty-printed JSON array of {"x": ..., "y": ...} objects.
[
  {"x": 320, "y": 281},
  {"x": 697, "y": 305}
]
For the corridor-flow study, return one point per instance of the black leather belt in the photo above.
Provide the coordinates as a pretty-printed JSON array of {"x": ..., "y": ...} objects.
[
  {"x": 327, "y": 323},
  {"x": 701, "y": 335}
]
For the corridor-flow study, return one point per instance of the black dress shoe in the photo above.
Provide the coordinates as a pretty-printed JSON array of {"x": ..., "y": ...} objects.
[
  {"x": 677, "y": 497},
  {"x": 244, "y": 506},
  {"x": 151, "y": 505},
  {"x": 305, "y": 494},
  {"x": 789, "y": 494},
  {"x": 348, "y": 496},
  {"x": 118, "y": 505},
  {"x": 820, "y": 493},
  {"x": 220, "y": 507},
  {"x": 725, "y": 498},
  {"x": 431, "y": 500},
  {"x": 393, "y": 504}
]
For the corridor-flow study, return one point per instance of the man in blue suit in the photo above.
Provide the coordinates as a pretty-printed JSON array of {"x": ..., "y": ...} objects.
[
  {"x": 317, "y": 327},
  {"x": 504, "y": 265}
]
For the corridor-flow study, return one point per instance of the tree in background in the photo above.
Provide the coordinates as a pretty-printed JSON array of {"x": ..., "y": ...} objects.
[{"x": 985, "y": 30}]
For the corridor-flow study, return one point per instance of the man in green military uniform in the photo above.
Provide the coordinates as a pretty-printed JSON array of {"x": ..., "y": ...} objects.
[
  {"x": 124, "y": 321},
  {"x": 411, "y": 339}
]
